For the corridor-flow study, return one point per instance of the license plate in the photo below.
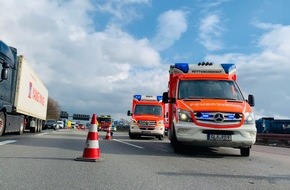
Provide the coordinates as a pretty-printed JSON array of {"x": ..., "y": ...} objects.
[
  {"x": 146, "y": 132},
  {"x": 216, "y": 137}
]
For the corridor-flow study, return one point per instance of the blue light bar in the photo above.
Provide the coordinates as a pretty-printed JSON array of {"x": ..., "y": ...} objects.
[
  {"x": 232, "y": 116},
  {"x": 204, "y": 115},
  {"x": 159, "y": 98},
  {"x": 182, "y": 66},
  {"x": 228, "y": 67},
  {"x": 138, "y": 97}
]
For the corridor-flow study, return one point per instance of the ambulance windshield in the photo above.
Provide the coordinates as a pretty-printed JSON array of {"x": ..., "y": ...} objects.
[
  {"x": 147, "y": 109},
  {"x": 213, "y": 89}
]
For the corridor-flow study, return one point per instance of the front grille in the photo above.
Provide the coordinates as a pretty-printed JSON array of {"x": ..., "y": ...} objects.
[
  {"x": 146, "y": 123},
  {"x": 218, "y": 118}
]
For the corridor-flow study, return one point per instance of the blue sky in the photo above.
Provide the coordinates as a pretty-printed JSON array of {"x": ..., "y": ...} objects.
[{"x": 94, "y": 55}]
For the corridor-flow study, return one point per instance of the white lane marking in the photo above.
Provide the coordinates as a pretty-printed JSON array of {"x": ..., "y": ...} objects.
[
  {"x": 7, "y": 142},
  {"x": 41, "y": 134},
  {"x": 129, "y": 144}
]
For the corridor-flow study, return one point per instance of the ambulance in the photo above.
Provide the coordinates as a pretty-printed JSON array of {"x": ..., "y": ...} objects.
[
  {"x": 207, "y": 108},
  {"x": 147, "y": 117}
]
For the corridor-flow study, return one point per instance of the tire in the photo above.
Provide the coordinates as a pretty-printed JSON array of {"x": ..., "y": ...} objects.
[
  {"x": 177, "y": 146},
  {"x": 245, "y": 151},
  {"x": 132, "y": 136},
  {"x": 2, "y": 123},
  {"x": 33, "y": 130},
  {"x": 21, "y": 128},
  {"x": 160, "y": 137}
]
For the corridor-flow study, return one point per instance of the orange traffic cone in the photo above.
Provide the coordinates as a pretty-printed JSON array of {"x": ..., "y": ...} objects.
[
  {"x": 91, "y": 152},
  {"x": 108, "y": 135}
]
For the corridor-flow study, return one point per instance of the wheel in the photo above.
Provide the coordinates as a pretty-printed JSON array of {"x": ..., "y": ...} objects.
[
  {"x": 132, "y": 136},
  {"x": 245, "y": 151},
  {"x": 2, "y": 123},
  {"x": 177, "y": 146},
  {"x": 32, "y": 130},
  {"x": 160, "y": 137},
  {"x": 21, "y": 128}
]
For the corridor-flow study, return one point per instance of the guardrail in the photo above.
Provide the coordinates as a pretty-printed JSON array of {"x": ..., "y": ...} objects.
[{"x": 283, "y": 139}]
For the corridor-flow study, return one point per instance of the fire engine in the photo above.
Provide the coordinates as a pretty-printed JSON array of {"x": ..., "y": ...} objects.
[
  {"x": 147, "y": 117},
  {"x": 207, "y": 108},
  {"x": 104, "y": 122}
]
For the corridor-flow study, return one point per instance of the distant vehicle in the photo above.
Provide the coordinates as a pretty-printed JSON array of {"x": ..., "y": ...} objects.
[
  {"x": 147, "y": 117},
  {"x": 23, "y": 102},
  {"x": 272, "y": 125},
  {"x": 60, "y": 124},
  {"x": 51, "y": 124},
  {"x": 81, "y": 126},
  {"x": 114, "y": 128},
  {"x": 104, "y": 122}
]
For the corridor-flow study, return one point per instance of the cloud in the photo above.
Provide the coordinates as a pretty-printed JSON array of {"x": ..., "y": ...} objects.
[
  {"x": 210, "y": 30},
  {"x": 86, "y": 71},
  {"x": 122, "y": 11},
  {"x": 171, "y": 25},
  {"x": 266, "y": 73}
]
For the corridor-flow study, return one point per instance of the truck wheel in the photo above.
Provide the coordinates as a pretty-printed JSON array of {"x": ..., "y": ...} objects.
[
  {"x": 245, "y": 151},
  {"x": 32, "y": 130},
  {"x": 177, "y": 146},
  {"x": 2, "y": 123},
  {"x": 21, "y": 128}
]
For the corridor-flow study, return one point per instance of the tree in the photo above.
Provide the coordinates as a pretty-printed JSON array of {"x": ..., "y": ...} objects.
[{"x": 53, "y": 109}]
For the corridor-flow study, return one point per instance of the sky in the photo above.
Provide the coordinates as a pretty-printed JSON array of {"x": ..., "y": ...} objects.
[{"x": 94, "y": 55}]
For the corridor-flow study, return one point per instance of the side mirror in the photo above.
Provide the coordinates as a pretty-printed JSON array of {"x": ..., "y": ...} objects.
[
  {"x": 4, "y": 74},
  {"x": 129, "y": 113},
  {"x": 251, "y": 100},
  {"x": 165, "y": 97}
]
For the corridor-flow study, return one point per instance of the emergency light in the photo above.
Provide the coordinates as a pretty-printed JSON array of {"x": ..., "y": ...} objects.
[
  {"x": 206, "y": 67},
  {"x": 182, "y": 66},
  {"x": 147, "y": 98}
]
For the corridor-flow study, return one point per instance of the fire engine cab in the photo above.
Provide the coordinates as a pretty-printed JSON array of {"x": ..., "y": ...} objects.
[{"x": 207, "y": 108}]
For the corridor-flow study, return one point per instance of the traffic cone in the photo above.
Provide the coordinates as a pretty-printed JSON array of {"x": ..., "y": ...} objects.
[
  {"x": 91, "y": 152},
  {"x": 108, "y": 135}
]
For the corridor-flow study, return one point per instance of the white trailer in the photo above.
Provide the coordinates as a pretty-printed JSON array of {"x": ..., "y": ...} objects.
[
  {"x": 31, "y": 95},
  {"x": 24, "y": 97}
]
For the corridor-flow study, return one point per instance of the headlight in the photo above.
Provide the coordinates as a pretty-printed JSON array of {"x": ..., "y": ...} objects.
[
  {"x": 249, "y": 118},
  {"x": 184, "y": 115},
  {"x": 133, "y": 122},
  {"x": 160, "y": 122}
]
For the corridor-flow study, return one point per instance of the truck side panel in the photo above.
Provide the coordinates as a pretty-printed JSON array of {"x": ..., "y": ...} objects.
[{"x": 31, "y": 95}]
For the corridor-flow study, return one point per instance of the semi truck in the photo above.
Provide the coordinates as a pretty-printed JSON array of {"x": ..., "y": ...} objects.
[
  {"x": 147, "y": 117},
  {"x": 104, "y": 122},
  {"x": 23, "y": 102},
  {"x": 207, "y": 108}
]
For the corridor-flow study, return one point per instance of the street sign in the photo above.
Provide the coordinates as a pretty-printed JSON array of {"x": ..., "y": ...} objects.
[
  {"x": 63, "y": 114},
  {"x": 81, "y": 117}
]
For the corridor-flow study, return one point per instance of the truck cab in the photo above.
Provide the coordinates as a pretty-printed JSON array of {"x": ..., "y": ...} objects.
[
  {"x": 147, "y": 117},
  {"x": 207, "y": 108},
  {"x": 104, "y": 122}
]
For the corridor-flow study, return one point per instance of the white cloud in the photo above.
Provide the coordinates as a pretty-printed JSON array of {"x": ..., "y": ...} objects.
[
  {"x": 210, "y": 30},
  {"x": 122, "y": 11},
  {"x": 171, "y": 25},
  {"x": 86, "y": 71},
  {"x": 265, "y": 74}
]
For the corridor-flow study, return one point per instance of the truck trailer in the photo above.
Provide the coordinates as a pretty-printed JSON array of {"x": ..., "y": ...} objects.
[
  {"x": 206, "y": 108},
  {"x": 148, "y": 115},
  {"x": 24, "y": 97}
]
